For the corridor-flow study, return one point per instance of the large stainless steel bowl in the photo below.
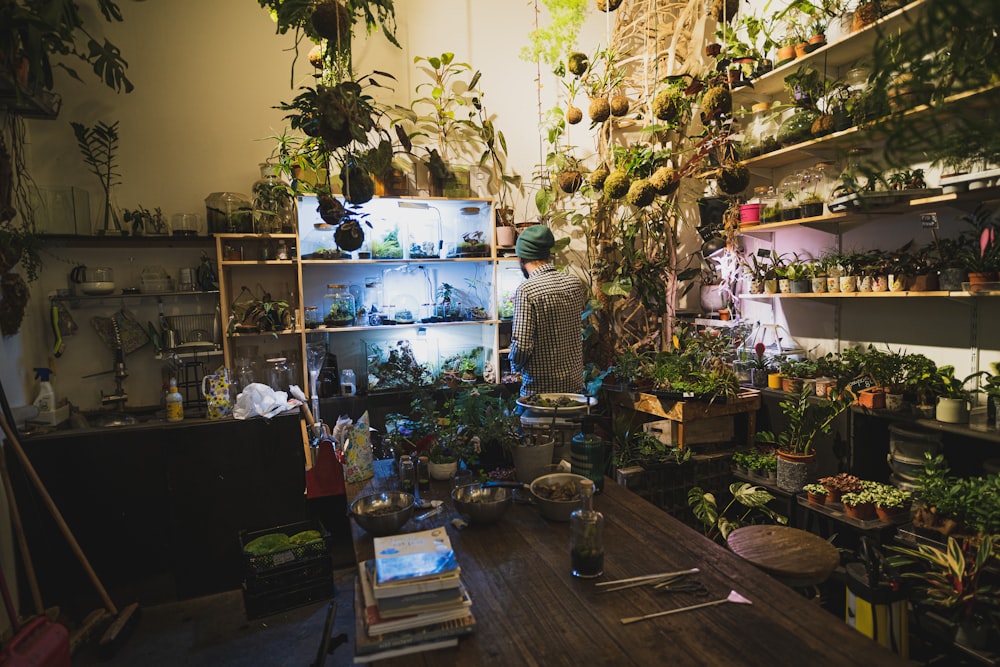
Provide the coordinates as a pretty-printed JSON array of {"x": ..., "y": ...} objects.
[
  {"x": 383, "y": 513},
  {"x": 480, "y": 503},
  {"x": 556, "y": 510}
]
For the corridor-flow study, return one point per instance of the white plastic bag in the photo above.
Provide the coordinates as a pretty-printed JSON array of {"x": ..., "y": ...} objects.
[{"x": 259, "y": 400}]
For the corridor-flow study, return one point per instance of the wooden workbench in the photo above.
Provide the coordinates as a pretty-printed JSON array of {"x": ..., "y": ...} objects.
[{"x": 531, "y": 611}]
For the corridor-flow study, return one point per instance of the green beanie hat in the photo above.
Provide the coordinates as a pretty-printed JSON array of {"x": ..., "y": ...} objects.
[{"x": 535, "y": 242}]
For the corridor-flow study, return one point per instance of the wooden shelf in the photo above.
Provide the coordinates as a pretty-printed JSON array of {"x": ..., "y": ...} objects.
[
  {"x": 38, "y": 104},
  {"x": 862, "y": 295},
  {"x": 114, "y": 241},
  {"x": 400, "y": 325},
  {"x": 855, "y": 47}
]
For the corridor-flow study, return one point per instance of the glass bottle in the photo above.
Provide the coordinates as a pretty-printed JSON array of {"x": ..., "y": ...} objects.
[
  {"x": 423, "y": 474},
  {"x": 340, "y": 306},
  {"x": 278, "y": 375},
  {"x": 407, "y": 474},
  {"x": 586, "y": 535},
  {"x": 312, "y": 317}
]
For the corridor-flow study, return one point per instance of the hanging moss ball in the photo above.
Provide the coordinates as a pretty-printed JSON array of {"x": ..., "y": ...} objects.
[
  {"x": 608, "y": 5},
  {"x": 570, "y": 181},
  {"x": 717, "y": 98},
  {"x": 330, "y": 209},
  {"x": 619, "y": 105},
  {"x": 357, "y": 184},
  {"x": 665, "y": 106},
  {"x": 574, "y": 115},
  {"x": 332, "y": 21},
  {"x": 822, "y": 125},
  {"x": 600, "y": 110},
  {"x": 577, "y": 63},
  {"x": 617, "y": 184},
  {"x": 316, "y": 56},
  {"x": 723, "y": 9},
  {"x": 598, "y": 176},
  {"x": 640, "y": 193},
  {"x": 349, "y": 235},
  {"x": 734, "y": 179},
  {"x": 664, "y": 181}
]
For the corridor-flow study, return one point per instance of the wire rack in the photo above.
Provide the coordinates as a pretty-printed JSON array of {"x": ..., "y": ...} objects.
[{"x": 194, "y": 328}]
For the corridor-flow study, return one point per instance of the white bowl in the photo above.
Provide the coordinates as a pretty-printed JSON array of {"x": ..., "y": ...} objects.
[{"x": 97, "y": 287}]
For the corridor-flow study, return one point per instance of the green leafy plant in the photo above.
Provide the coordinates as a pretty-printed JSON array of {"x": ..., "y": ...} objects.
[
  {"x": 642, "y": 447},
  {"x": 808, "y": 418},
  {"x": 748, "y": 506},
  {"x": 98, "y": 145}
]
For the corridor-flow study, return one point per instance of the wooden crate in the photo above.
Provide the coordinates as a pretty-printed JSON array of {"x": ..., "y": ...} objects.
[{"x": 699, "y": 431}]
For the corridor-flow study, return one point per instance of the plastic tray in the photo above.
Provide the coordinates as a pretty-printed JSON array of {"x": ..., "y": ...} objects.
[{"x": 303, "y": 552}]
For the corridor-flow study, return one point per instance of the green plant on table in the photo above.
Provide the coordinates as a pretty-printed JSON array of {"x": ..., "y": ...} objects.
[
  {"x": 952, "y": 504},
  {"x": 642, "y": 447},
  {"x": 748, "y": 506}
]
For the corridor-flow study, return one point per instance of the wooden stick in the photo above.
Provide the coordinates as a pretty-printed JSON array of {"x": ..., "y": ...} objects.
[
  {"x": 661, "y": 575},
  {"x": 57, "y": 515},
  {"x": 22, "y": 540}
]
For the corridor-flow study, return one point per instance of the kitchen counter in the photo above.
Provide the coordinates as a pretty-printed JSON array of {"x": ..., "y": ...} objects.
[{"x": 530, "y": 610}]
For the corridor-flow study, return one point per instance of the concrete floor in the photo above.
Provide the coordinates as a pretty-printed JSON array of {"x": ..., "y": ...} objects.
[{"x": 213, "y": 631}]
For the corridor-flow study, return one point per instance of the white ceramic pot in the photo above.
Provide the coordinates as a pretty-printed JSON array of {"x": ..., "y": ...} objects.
[
  {"x": 951, "y": 410},
  {"x": 879, "y": 284},
  {"x": 442, "y": 471},
  {"x": 506, "y": 236},
  {"x": 848, "y": 284},
  {"x": 865, "y": 284},
  {"x": 818, "y": 285},
  {"x": 833, "y": 284}
]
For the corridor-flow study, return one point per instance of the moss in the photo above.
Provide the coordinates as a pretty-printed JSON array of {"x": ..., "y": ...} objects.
[
  {"x": 663, "y": 179},
  {"x": 617, "y": 184},
  {"x": 717, "y": 98},
  {"x": 598, "y": 176},
  {"x": 640, "y": 193},
  {"x": 600, "y": 110}
]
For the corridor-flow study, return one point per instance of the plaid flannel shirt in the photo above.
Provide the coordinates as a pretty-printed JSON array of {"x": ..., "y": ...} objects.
[{"x": 547, "y": 339}]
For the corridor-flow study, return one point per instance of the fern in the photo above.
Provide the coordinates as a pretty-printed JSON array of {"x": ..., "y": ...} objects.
[{"x": 98, "y": 145}]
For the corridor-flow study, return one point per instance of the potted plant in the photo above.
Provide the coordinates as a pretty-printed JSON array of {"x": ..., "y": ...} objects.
[
  {"x": 760, "y": 364},
  {"x": 859, "y": 505},
  {"x": 949, "y": 580},
  {"x": 442, "y": 460},
  {"x": 839, "y": 484},
  {"x": 807, "y": 418},
  {"x": 816, "y": 493},
  {"x": 982, "y": 247},
  {"x": 953, "y": 395},
  {"x": 749, "y": 504},
  {"x": 890, "y": 502}
]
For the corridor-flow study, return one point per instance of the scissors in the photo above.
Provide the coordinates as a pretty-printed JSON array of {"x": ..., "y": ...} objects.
[{"x": 693, "y": 586}]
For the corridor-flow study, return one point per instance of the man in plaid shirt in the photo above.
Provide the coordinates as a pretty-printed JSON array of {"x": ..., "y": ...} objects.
[{"x": 546, "y": 343}]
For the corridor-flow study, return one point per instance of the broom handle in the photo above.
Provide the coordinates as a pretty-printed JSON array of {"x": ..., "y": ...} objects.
[
  {"x": 57, "y": 516},
  {"x": 22, "y": 540}
]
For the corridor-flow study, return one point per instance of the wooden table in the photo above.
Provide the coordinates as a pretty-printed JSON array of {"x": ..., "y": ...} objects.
[
  {"x": 747, "y": 402},
  {"x": 531, "y": 611}
]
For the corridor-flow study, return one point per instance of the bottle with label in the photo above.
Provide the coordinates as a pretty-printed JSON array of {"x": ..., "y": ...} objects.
[
  {"x": 175, "y": 403},
  {"x": 46, "y": 399},
  {"x": 407, "y": 474},
  {"x": 586, "y": 536},
  {"x": 423, "y": 474}
]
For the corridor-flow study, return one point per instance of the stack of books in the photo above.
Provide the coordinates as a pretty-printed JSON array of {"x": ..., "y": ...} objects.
[{"x": 412, "y": 597}]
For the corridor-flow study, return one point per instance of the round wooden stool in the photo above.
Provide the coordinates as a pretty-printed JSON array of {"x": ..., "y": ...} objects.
[{"x": 796, "y": 557}]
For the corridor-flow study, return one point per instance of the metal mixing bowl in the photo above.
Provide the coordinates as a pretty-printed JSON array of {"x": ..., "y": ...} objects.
[
  {"x": 556, "y": 510},
  {"x": 383, "y": 513},
  {"x": 481, "y": 504}
]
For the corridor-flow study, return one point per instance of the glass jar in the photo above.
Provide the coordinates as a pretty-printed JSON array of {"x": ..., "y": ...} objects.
[
  {"x": 796, "y": 126},
  {"x": 771, "y": 212},
  {"x": 228, "y": 212},
  {"x": 423, "y": 474},
  {"x": 407, "y": 474},
  {"x": 278, "y": 375},
  {"x": 273, "y": 203},
  {"x": 811, "y": 194},
  {"x": 340, "y": 306},
  {"x": 312, "y": 318},
  {"x": 789, "y": 193},
  {"x": 586, "y": 527}
]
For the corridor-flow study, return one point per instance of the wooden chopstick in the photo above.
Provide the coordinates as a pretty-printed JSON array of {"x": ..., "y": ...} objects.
[{"x": 647, "y": 577}]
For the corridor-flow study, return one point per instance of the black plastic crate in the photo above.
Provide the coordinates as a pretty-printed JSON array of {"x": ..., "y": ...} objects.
[
  {"x": 298, "y": 573},
  {"x": 254, "y": 565},
  {"x": 273, "y": 602}
]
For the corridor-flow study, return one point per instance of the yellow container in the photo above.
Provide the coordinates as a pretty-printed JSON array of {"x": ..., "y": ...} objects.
[{"x": 774, "y": 380}]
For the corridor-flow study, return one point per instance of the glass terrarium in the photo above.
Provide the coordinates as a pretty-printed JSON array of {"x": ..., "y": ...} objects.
[
  {"x": 508, "y": 278},
  {"x": 789, "y": 194},
  {"x": 393, "y": 364},
  {"x": 408, "y": 293},
  {"x": 423, "y": 230},
  {"x": 461, "y": 365}
]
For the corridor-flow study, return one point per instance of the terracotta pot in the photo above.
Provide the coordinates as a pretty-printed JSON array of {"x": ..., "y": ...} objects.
[
  {"x": 786, "y": 54},
  {"x": 927, "y": 282},
  {"x": 817, "y": 40},
  {"x": 984, "y": 277},
  {"x": 816, "y": 499},
  {"x": 863, "y": 511},
  {"x": 871, "y": 398},
  {"x": 791, "y": 385},
  {"x": 834, "y": 495},
  {"x": 889, "y": 514},
  {"x": 801, "y": 49}
]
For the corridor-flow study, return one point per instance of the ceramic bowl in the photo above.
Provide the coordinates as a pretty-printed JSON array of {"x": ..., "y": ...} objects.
[
  {"x": 97, "y": 287},
  {"x": 556, "y": 510},
  {"x": 383, "y": 513}
]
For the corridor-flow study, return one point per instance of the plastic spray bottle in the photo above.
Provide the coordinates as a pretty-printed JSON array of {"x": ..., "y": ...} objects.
[{"x": 46, "y": 399}]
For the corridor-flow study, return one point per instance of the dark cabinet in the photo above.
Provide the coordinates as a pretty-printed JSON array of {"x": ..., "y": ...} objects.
[{"x": 157, "y": 509}]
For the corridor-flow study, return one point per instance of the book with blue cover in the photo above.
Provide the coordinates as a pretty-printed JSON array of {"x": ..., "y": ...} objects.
[{"x": 413, "y": 557}]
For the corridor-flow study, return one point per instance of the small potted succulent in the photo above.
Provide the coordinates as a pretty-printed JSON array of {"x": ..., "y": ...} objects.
[
  {"x": 860, "y": 505},
  {"x": 817, "y": 493},
  {"x": 891, "y": 502}
]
